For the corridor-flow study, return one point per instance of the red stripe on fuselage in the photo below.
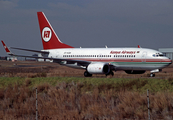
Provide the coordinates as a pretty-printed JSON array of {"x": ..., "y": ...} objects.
[{"x": 124, "y": 60}]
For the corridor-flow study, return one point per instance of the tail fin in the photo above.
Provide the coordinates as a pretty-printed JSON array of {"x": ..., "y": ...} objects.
[{"x": 49, "y": 38}]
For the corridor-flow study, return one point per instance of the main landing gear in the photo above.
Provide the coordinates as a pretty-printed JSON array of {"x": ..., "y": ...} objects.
[
  {"x": 110, "y": 73},
  {"x": 87, "y": 74}
]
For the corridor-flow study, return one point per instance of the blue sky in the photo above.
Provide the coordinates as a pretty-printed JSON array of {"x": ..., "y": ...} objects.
[{"x": 89, "y": 23}]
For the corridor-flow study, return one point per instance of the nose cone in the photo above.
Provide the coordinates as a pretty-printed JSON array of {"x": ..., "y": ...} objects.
[
  {"x": 166, "y": 62},
  {"x": 169, "y": 61}
]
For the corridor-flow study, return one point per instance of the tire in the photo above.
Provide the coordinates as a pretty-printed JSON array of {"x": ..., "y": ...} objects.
[
  {"x": 87, "y": 74},
  {"x": 152, "y": 75},
  {"x": 110, "y": 73}
]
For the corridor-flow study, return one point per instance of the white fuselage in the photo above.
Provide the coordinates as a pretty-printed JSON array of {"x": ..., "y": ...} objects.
[{"x": 121, "y": 58}]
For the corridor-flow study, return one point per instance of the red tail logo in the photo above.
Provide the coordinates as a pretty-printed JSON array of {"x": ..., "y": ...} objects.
[
  {"x": 46, "y": 34},
  {"x": 49, "y": 38}
]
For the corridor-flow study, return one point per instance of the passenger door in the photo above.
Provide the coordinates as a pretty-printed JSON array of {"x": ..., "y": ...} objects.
[{"x": 144, "y": 54}]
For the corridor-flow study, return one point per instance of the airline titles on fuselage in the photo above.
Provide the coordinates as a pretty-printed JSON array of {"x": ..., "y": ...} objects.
[{"x": 123, "y": 52}]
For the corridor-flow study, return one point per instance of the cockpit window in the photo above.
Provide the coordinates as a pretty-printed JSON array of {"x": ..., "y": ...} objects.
[
  {"x": 158, "y": 55},
  {"x": 161, "y": 55}
]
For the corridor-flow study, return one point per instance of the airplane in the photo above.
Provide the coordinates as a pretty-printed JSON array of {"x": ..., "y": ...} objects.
[{"x": 95, "y": 60}]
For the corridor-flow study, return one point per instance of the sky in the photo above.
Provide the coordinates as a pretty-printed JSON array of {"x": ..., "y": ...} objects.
[{"x": 88, "y": 23}]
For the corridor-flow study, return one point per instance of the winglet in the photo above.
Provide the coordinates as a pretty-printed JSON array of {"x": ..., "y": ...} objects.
[
  {"x": 139, "y": 46},
  {"x": 6, "y": 48}
]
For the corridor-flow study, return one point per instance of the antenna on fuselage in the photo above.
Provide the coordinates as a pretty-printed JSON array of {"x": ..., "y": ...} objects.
[{"x": 139, "y": 46}]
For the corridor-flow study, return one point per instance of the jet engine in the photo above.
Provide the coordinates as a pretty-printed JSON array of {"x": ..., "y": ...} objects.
[{"x": 98, "y": 68}]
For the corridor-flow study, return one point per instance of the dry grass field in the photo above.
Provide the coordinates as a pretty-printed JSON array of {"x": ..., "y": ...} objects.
[
  {"x": 64, "y": 94},
  {"x": 32, "y": 68}
]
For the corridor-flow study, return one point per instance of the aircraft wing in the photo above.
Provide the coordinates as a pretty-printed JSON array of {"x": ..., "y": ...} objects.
[
  {"x": 44, "y": 52},
  {"x": 79, "y": 63},
  {"x": 57, "y": 60},
  {"x": 7, "y": 49}
]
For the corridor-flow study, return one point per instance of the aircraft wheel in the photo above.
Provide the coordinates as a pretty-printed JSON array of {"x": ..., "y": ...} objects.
[
  {"x": 87, "y": 74},
  {"x": 152, "y": 75},
  {"x": 110, "y": 73}
]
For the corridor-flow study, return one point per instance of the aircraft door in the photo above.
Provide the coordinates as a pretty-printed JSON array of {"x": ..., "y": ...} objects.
[
  {"x": 100, "y": 56},
  {"x": 144, "y": 54},
  {"x": 57, "y": 54}
]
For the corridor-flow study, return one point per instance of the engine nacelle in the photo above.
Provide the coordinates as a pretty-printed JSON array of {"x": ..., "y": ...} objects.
[
  {"x": 135, "y": 71},
  {"x": 98, "y": 68}
]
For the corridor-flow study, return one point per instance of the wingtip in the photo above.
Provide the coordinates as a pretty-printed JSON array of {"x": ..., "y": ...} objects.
[{"x": 6, "y": 48}]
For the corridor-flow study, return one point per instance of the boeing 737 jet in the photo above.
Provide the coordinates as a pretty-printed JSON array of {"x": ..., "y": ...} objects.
[{"x": 95, "y": 60}]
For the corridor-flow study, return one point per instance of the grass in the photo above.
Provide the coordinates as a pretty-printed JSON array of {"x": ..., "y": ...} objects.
[
  {"x": 85, "y": 98},
  {"x": 68, "y": 97},
  {"x": 136, "y": 85}
]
